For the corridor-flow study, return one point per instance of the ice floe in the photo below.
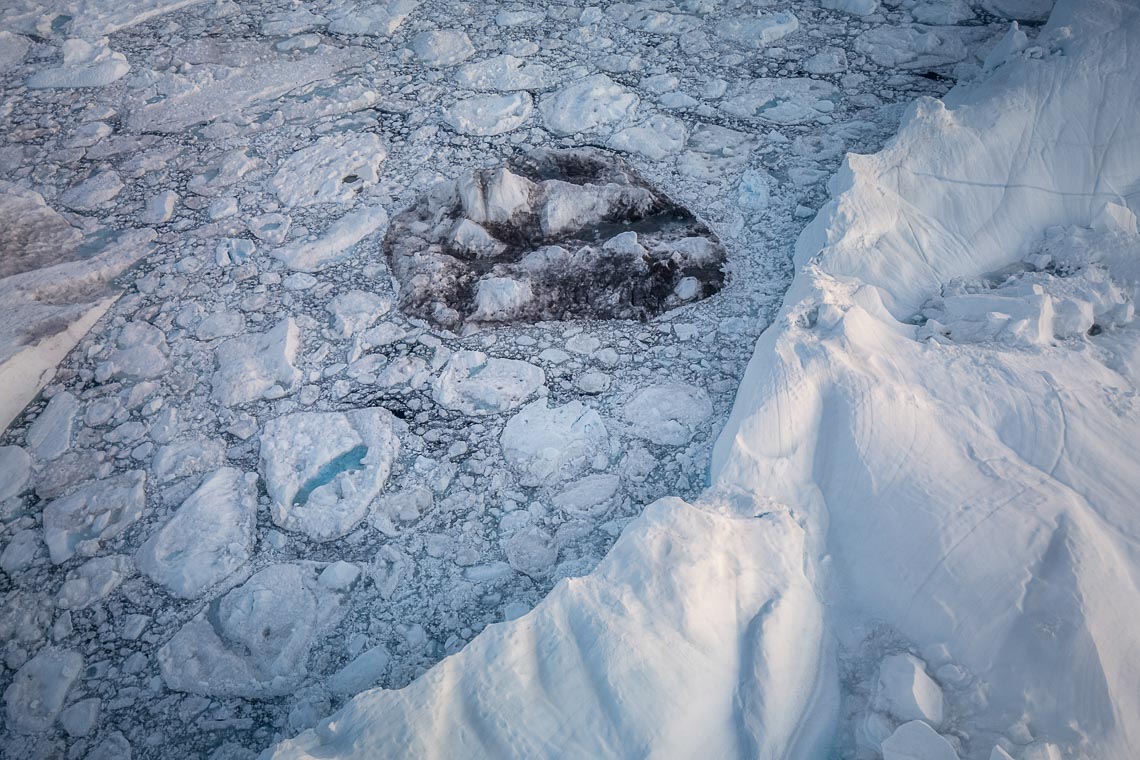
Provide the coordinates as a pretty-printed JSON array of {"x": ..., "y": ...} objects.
[
  {"x": 79, "y": 522},
  {"x": 258, "y": 639},
  {"x": 207, "y": 538},
  {"x": 323, "y": 470}
]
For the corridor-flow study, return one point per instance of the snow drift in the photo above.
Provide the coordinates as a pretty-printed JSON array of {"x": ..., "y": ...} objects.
[{"x": 968, "y": 501}]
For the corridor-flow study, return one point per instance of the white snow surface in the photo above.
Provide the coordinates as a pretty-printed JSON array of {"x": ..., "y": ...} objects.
[{"x": 872, "y": 492}]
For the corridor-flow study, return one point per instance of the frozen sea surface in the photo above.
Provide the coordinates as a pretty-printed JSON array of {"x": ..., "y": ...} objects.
[{"x": 248, "y": 485}]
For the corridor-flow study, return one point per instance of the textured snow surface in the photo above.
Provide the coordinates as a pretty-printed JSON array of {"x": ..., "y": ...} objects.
[{"x": 971, "y": 505}]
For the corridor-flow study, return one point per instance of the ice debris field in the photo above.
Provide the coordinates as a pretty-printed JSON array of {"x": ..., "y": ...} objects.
[{"x": 440, "y": 379}]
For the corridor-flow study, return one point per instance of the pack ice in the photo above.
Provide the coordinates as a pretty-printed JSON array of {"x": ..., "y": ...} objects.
[
  {"x": 361, "y": 365},
  {"x": 919, "y": 537}
]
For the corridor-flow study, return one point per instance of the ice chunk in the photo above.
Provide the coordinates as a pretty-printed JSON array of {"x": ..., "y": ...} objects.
[
  {"x": 95, "y": 579},
  {"x": 500, "y": 299},
  {"x": 101, "y": 509},
  {"x": 38, "y": 689},
  {"x": 251, "y": 365},
  {"x": 15, "y": 469},
  {"x": 79, "y": 718},
  {"x": 113, "y": 747},
  {"x": 942, "y": 12},
  {"x": 569, "y": 207},
  {"x": 336, "y": 243},
  {"x": 593, "y": 382},
  {"x": 907, "y": 692},
  {"x": 791, "y": 100},
  {"x": 504, "y": 73},
  {"x": 223, "y": 171},
  {"x": 531, "y": 551},
  {"x": 334, "y": 169},
  {"x": 233, "y": 251},
  {"x": 700, "y": 251},
  {"x": 910, "y": 47},
  {"x": 33, "y": 235},
  {"x": 1012, "y": 43},
  {"x": 322, "y": 470},
  {"x": 474, "y": 239},
  {"x": 187, "y": 457},
  {"x": 519, "y": 17},
  {"x": 379, "y": 20},
  {"x": 489, "y": 114},
  {"x": 272, "y": 228},
  {"x": 20, "y": 551},
  {"x": 587, "y": 104},
  {"x": 1030, "y": 308},
  {"x": 647, "y": 19},
  {"x": 362, "y": 673},
  {"x": 254, "y": 641},
  {"x": 549, "y": 445},
  {"x": 160, "y": 207},
  {"x": 50, "y": 435},
  {"x": 917, "y": 741},
  {"x": 1020, "y": 10},
  {"x": 442, "y": 48},
  {"x": 657, "y": 138},
  {"x": 93, "y": 192},
  {"x": 141, "y": 352},
  {"x": 503, "y": 233},
  {"x": 474, "y": 383},
  {"x": 208, "y": 537},
  {"x": 91, "y": 133},
  {"x": 356, "y": 311},
  {"x": 222, "y": 324},
  {"x": 669, "y": 414},
  {"x": 494, "y": 196},
  {"x": 855, "y": 7},
  {"x": 13, "y": 48},
  {"x": 85, "y": 64},
  {"x": 1114, "y": 217},
  {"x": 589, "y": 497},
  {"x": 827, "y": 61},
  {"x": 339, "y": 575},
  {"x": 214, "y": 89},
  {"x": 759, "y": 31}
]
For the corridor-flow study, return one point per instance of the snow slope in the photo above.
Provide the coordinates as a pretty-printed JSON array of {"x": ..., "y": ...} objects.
[{"x": 970, "y": 502}]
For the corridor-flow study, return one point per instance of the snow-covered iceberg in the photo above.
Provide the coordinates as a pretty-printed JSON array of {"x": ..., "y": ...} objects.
[{"x": 880, "y": 489}]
